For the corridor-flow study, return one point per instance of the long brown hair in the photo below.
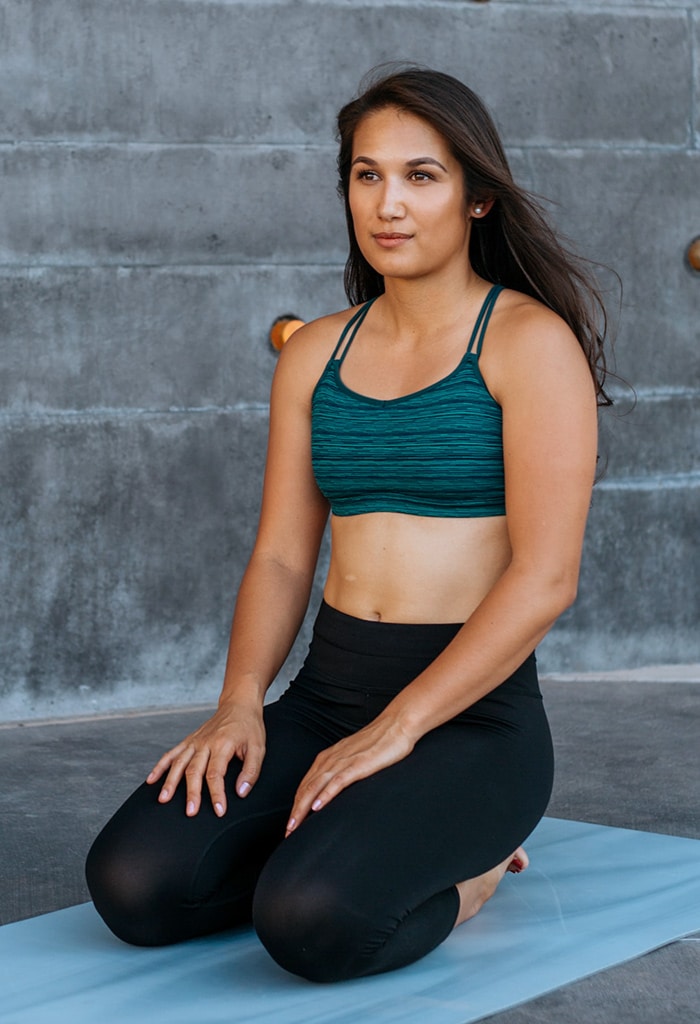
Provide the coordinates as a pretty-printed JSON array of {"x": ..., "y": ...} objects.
[{"x": 513, "y": 244}]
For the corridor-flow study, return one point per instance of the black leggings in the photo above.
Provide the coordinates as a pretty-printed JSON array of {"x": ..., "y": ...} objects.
[{"x": 367, "y": 884}]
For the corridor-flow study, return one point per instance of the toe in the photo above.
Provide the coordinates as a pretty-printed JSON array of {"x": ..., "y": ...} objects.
[{"x": 519, "y": 861}]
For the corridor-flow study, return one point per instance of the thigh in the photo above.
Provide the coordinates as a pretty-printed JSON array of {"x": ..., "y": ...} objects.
[{"x": 460, "y": 803}]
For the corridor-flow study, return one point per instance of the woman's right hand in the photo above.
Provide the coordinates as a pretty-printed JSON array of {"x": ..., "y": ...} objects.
[{"x": 235, "y": 730}]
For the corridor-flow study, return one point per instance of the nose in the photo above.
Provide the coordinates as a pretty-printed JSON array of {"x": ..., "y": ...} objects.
[{"x": 390, "y": 205}]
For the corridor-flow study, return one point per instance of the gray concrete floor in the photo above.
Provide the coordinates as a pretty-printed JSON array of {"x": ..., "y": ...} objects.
[{"x": 626, "y": 756}]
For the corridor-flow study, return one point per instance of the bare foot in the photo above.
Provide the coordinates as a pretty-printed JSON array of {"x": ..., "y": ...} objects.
[{"x": 476, "y": 891}]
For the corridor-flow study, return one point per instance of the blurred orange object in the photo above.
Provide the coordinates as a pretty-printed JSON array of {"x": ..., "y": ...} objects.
[
  {"x": 283, "y": 328},
  {"x": 693, "y": 254}
]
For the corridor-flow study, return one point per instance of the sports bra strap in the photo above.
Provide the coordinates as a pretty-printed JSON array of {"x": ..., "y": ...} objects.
[
  {"x": 353, "y": 324},
  {"x": 482, "y": 320}
]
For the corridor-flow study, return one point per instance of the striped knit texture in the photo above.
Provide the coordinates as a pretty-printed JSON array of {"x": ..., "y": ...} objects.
[{"x": 436, "y": 452}]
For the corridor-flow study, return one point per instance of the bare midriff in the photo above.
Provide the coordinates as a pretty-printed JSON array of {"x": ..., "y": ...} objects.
[{"x": 394, "y": 567}]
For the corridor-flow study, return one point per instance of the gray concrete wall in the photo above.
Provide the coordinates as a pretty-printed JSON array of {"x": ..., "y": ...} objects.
[{"x": 167, "y": 189}]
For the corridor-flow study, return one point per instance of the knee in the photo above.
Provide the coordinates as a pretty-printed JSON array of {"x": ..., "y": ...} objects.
[
  {"x": 308, "y": 929},
  {"x": 127, "y": 895}
]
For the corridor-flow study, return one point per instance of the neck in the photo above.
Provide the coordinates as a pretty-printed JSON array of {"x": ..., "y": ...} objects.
[{"x": 424, "y": 307}]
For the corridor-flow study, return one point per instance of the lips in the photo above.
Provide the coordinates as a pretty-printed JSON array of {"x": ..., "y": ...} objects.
[{"x": 391, "y": 239}]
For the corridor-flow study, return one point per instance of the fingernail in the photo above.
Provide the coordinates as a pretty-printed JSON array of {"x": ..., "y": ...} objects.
[
  {"x": 291, "y": 825},
  {"x": 244, "y": 789},
  {"x": 150, "y": 776},
  {"x": 316, "y": 805},
  {"x": 190, "y": 807},
  {"x": 164, "y": 794},
  {"x": 219, "y": 809}
]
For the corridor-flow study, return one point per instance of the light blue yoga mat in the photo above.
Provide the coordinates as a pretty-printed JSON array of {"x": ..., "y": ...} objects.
[{"x": 592, "y": 897}]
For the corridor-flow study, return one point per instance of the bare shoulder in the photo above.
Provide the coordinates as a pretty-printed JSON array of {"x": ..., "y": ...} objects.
[
  {"x": 303, "y": 358},
  {"x": 528, "y": 344},
  {"x": 521, "y": 322}
]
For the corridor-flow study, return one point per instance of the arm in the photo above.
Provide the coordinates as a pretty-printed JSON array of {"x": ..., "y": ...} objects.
[
  {"x": 272, "y": 597},
  {"x": 542, "y": 381}
]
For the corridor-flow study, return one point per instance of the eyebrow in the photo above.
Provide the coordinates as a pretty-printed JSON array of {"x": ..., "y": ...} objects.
[{"x": 417, "y": 162}]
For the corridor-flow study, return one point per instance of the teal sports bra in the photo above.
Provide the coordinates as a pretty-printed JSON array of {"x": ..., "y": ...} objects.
[{"x": 435, "y": 452}]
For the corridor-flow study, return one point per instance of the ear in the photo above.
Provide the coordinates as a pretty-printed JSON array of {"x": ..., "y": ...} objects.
[{"x": 480, "y": 207}]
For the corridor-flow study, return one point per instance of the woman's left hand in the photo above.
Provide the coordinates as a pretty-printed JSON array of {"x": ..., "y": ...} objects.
[{"x": 367, "y": 751}]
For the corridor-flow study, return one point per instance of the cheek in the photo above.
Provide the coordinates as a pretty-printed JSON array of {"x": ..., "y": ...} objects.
[
  {"x": 356, "y": 206},
  {"x": 449, "y": 217},
  {"x": 459, "y": 213}
]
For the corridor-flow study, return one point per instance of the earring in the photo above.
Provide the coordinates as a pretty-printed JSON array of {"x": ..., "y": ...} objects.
[{"x": 478, "y": 209}]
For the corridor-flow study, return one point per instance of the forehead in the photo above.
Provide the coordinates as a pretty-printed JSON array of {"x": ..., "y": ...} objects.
[{"x": 395, "y": 133}]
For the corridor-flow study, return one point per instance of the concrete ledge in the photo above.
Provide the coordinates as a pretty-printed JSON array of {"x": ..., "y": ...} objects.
[
  {"x": 592, "y": 5},
  {"x": 655, "y": 674}
]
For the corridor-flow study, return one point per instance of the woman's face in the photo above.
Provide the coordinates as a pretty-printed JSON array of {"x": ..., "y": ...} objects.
[{"x": 407, "y": 197}]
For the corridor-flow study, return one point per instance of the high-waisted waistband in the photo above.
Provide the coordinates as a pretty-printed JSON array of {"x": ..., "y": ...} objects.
[
  {"x": 383, "y": 657},
  {"x": 370, "y": 636}
]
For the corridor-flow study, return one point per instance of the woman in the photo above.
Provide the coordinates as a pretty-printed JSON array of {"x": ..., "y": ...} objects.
[{"x": 448, "y": 421}]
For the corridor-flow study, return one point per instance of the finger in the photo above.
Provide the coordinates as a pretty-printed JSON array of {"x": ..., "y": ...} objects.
[
  {"x": 320, "y": 787},
  {"x": 216, "y": 772},
  {"x": 174, "y": 776},
  {"x": 164, "y": 763},
  {"x": 299, "y": 807},
  {"x": 194, "y": 775},
  {"x": 310, "y": 797},
  {"x": 335, "y": 785},
  {"x": 250, "y": 772}
]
